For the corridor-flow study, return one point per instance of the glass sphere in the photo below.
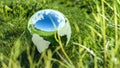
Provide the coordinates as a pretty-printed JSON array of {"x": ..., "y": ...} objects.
[{"x": 43, "y": 25}]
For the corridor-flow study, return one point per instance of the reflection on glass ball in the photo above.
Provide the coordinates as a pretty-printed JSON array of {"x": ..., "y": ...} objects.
[{"x": 43, "y": 24}]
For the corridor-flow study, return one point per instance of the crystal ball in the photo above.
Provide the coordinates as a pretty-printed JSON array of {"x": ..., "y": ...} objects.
[{"x": 44, "y": 24}]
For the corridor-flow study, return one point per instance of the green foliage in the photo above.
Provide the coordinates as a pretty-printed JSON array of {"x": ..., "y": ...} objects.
[{"x": 95, "y": 35}]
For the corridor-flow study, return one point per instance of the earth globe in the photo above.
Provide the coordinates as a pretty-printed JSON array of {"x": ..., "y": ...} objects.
[{"x": 44, "y": 24}]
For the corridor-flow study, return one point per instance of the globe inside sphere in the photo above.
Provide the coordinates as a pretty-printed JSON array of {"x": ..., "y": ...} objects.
[{"x": 44, "y": 25}]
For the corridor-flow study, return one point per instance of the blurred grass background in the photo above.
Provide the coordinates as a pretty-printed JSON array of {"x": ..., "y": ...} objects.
[{"x": 94, "y": 42}]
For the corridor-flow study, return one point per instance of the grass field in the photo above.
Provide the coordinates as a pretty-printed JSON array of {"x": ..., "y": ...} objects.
[{"x": 94, "y": 42}]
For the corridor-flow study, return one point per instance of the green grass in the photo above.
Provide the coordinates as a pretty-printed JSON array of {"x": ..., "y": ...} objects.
[{"x": 94, "y": 42}]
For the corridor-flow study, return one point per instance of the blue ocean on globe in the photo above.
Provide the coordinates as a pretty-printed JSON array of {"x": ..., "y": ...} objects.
[{"x": 48, "y": 20}]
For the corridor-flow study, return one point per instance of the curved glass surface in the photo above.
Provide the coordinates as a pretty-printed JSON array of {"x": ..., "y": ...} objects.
[{"x": 48, "y": 20}]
